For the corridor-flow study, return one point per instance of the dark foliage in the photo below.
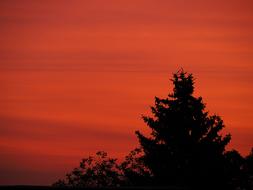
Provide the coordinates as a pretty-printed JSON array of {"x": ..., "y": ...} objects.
[
  {"x": 248, "y": 171},
  {"x": 185, "y": 146},
  {"x": 98, "y": 171},
  {"x": 185, "y": 149},
  {"x": 134, "y": 169}
]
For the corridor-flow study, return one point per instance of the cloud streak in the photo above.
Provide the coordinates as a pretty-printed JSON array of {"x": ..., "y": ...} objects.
[{"x": 75, "y": 76}]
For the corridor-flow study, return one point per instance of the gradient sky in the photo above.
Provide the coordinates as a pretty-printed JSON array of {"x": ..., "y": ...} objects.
[{"x": 75, "y": 76}]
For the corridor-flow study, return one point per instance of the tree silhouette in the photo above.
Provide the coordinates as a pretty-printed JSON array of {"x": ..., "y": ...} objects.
[
  {"x": 184, "y": 149},
  {"x": 98, "y": 171},
  {"x": 185, "y": 145},
  {"x": 248, "y": 170},
  {"x": 134, "y": 169},
  {"x": 234, "y": 169}
]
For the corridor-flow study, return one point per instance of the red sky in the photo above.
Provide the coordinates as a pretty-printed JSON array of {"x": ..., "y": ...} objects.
[{"x": 75, "y": 76}]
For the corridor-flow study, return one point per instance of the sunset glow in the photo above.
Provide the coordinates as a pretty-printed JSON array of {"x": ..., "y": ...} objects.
[{"x": 76, "y": 76}]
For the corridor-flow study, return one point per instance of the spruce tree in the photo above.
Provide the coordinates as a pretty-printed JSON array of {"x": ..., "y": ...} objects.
[{"x": 185, "y": 146}]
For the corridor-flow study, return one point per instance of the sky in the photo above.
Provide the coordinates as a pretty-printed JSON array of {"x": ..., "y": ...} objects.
[{"x": 76, "y": 76}]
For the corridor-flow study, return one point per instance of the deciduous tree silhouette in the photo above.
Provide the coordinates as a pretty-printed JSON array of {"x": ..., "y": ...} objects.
[
  {"x": 134, "y": 169},
  {"x": 248, "y": 169},
  {"x": 185, "y": 145},
  {"x": 98, "y": 171},
  {"x": 234, "y": 169}
]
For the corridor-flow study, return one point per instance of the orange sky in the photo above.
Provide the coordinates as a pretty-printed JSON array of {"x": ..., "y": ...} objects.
[{"x": 75, "y": 76}]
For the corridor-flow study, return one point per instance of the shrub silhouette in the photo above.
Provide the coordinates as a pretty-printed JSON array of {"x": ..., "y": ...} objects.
[{"x": 184, "y": 149}]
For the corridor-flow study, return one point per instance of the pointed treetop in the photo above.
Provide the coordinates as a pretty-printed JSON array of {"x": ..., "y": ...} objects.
[{"x": 183, "y": 84}]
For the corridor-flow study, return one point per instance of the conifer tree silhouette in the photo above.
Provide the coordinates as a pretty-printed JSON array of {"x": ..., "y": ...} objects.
[{"x": 185, "y": 145}]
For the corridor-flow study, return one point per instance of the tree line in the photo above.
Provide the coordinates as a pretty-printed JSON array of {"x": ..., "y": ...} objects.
[{"x": 186, "y": 148}]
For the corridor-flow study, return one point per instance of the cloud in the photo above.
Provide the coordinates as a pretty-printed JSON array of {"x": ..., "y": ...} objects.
[{"x": 31, "y": 129}]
